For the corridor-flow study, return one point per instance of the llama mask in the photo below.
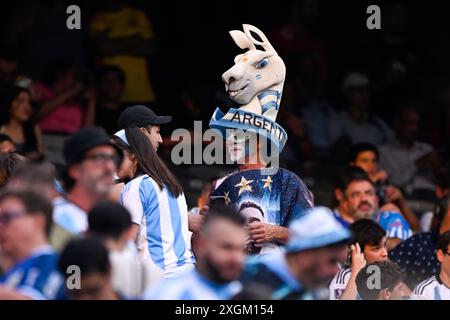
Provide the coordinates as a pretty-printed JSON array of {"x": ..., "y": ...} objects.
[{"x": 255, "y": 82}]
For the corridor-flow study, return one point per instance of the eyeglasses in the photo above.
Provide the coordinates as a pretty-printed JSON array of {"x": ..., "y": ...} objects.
[
  {"x": 103, "y": 158},
  {"x": 7, "y": 216}
]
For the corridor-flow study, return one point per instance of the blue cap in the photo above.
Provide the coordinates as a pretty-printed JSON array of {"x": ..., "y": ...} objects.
[{"x": 317, "y": 228}]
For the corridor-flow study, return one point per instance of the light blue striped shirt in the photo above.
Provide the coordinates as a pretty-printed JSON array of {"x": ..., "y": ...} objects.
[{"x": 163, "y": 238}]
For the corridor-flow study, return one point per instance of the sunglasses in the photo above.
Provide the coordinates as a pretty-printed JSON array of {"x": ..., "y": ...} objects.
[{"x": 7, "y": 216}]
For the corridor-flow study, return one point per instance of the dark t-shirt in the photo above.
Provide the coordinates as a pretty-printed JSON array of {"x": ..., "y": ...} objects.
[{"x": 416, "y": 256}]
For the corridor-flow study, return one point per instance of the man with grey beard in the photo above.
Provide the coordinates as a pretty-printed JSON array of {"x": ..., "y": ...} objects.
[
  {"x": 88, "y": 178},
  {"x": 357, "y": 199}
]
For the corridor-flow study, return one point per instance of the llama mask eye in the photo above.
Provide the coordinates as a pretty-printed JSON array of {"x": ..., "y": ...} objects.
[{"x": 261, "y": 64}]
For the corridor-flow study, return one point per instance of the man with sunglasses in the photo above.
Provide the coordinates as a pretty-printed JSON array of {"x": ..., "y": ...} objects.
[
  {"x": 88, "y": 177},
  {"x": 25, "y": 223},
  {"x": 437, "y": 287}
]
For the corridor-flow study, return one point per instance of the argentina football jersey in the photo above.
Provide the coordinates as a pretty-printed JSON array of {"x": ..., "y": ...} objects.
[{"x": 163, "y": 238}]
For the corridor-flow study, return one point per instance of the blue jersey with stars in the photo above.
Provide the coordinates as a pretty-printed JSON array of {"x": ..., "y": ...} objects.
[
  {"x": 277, "y": 198},
  {"x": 37, "y": 276},
  {"x": 263, "y": 195}
]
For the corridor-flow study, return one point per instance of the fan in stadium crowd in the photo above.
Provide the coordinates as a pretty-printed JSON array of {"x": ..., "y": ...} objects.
[
  {"x": 154, "y": 197},
  {"x": 357, "y": 199},
  {"x": 316, "y": 245},
  {"x": 91, "y": 280},
  {"x": 367, "y": 245},
  {"x": 391, "y": 286},
  {"x": 437, "y": 287},
  {"x": 111, "y": 223},
  {"x": 365, "y": 156},
  {"x": 220, "y": 259},
  {"x": 417, "y": 255},
  {"x": 25, "y": 222},
  {"x": 88, "y": 177}
]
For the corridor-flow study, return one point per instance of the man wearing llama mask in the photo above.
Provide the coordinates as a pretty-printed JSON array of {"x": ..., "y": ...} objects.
[{"x": 254, "y": 140}]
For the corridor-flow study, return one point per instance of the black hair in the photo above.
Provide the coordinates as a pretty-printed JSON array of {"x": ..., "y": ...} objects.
[
  {"x": 250, "y": 204},
  {"x": 109, "y": 219},
  {"x": 443, "y": 242},
  {"x": 148, "y": 162},
  {"x": 223, "y": 212},
  {"x": 33, "y": 203},
  {"x": 357, "y": 148},
  {"x": 4, "y": 137},
  {"x": 8, "y": 96},
  {"x": 366, "y": 232},
  {"x": 349, "y": 175},
  {"x": 391, "y": 275},
  {"x": 104, "y": 70},
  {"x": 89, "y": 254}
]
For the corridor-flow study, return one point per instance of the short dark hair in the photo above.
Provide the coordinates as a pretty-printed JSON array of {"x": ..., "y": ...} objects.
[
  {"x": 443, "y": 242},
  {"x": 104, "y": 70},
  {"x": 223, "y": 212},
  {"x": 89, "y": 254},
  {"x": 250, "y": 204},
  {"x": 357, "y": 148},
  {"x": 391, "y": 275},
  {"x": 349, "y": 175},
  {"x": 109, "y": 219},
  {"x": 366, "y": 232},
  {"x": 34, "y": 204}
]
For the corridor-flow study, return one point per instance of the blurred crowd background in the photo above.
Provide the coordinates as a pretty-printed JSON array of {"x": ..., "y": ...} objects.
[
  {"x": 342, "y": 79},
  {"x": 377, "y": 99}
]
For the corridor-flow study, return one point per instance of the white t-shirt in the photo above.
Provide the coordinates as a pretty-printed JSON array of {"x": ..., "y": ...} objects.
[
  {"x": 130, "y": 274},
  {"x": 339, "y": 283}
]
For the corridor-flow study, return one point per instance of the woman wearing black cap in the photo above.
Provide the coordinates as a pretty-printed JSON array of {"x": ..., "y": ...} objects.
[{"x": 157, "y": 205}]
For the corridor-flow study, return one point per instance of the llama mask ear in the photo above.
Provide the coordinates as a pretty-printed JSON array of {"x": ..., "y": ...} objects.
[
  {"x": 241, "y": 40},
  {"x": 248, "y": 29}
]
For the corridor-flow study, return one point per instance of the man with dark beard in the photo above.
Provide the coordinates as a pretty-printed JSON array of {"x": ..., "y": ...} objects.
[
  {"x": 220, "y": 259},
  {"x": 357, "y": 199}
]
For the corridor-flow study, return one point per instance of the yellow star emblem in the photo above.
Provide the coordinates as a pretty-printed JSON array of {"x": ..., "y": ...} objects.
[
  {"x": 267, "y": 182},
  {"x": 245, "y": 59},
  {"x": 244, "y": 185}
]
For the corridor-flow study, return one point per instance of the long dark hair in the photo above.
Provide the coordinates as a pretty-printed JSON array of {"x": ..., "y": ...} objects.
[
  {"x": 8, "y": 96},
  {"x": 148, "y": 162}
]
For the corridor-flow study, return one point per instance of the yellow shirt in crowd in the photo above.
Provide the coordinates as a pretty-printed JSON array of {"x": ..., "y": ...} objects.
[{"x": 124, "y": 23}]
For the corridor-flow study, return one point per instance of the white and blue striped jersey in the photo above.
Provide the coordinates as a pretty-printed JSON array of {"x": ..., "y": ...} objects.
[
  {"x": 69, "y": 216},
  {"x": 163, "y": 238},
  {"x": 339, "y": 283},
  {"x": 431, "y": 289},
  {"x": 192, "y": 286}
]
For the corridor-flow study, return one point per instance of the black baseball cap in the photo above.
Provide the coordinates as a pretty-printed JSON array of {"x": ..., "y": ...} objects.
[
  {"x": 140, "y": 116},
  {"x": 81, "y": 141}
]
